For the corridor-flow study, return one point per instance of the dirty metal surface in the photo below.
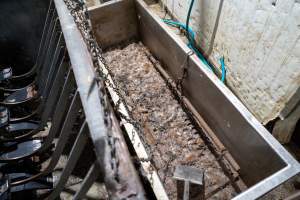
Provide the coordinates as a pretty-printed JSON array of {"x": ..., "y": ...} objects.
[
  {"x": 243, "y": 136},
  {"x": 110, "y": 32},
  {"x": 167, "y": 132}
]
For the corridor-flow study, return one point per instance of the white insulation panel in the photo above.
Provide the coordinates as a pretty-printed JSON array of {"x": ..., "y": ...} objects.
[{"x": 260, "y": 40}]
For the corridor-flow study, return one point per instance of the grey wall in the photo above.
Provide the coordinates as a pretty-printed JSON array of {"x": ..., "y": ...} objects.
[{"x": 21, "y": 24}]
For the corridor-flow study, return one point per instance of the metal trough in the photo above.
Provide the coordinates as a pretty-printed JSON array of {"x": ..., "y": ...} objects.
[
  {"x": 72, "y": 88},
  {"x": 263, "y": 162}
]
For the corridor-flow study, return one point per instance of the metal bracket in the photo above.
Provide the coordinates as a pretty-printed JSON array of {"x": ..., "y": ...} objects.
[{"x": 190, "y": 183}]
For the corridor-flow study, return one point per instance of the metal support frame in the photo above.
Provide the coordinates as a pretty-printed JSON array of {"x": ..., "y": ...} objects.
[
  {"x": 56, "y": 80},
  {"x": 100, "y": 134}
]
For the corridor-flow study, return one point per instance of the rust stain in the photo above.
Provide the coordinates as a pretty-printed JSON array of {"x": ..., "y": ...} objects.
[{"x": 31, "y": 92}]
